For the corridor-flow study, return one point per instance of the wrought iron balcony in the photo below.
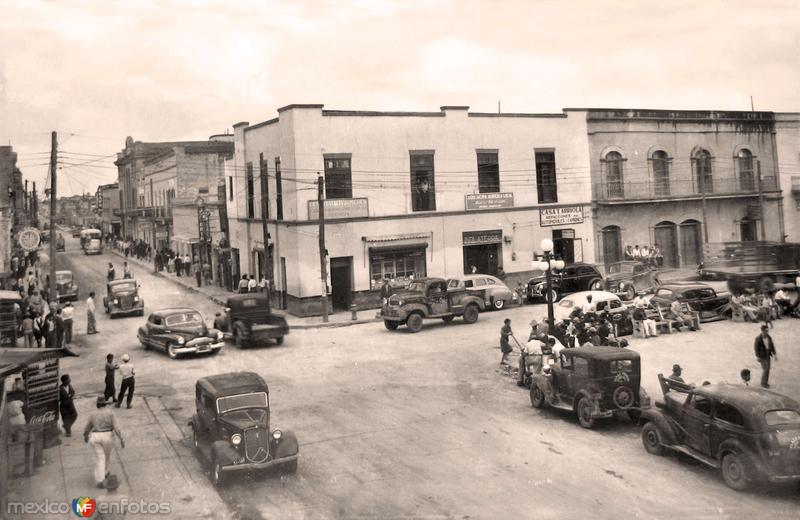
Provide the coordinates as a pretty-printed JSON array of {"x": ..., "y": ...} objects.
[{"x": 680, "y": 189}]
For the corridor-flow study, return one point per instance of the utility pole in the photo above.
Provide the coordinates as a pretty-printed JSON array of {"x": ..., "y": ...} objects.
[
  {"x": 26, "y": 205},
  {"x": 701, "y": 178},
  {"x": 761, "y": 201},
  {"x": 53, "y": 155},
  {"x": 35, "y": 208},
  {"x": 267, "y": 265},
  {"x": 323, "y": 271}
]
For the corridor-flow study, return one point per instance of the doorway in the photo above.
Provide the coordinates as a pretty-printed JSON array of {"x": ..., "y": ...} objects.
[
  {"x": 484, "y": 257},
  {"x": 564, "y": 245},
  {"x": 690, "y": 243},
  {"x": 666, "y": 237},
  {"x": 748, "y": 228},
  {"x": 612, "y": 245},
  {"x": 342, "y": 282}
]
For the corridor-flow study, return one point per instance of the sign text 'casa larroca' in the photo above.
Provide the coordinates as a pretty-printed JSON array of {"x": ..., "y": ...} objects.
[{"x": 561, "y": 216}]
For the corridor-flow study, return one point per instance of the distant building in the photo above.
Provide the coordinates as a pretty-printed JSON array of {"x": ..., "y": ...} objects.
[
  {"x": 787, "y": 132},
  {"x": 107, "y": 208},
  {"x": 77, "y": 210}
]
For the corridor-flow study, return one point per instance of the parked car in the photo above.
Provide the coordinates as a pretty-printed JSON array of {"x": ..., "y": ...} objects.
[
  {"x": 231, "y": 428},
  {"x": 628, "y": 278},
  {"x": 592, "y": 382},
  {"x": 751, "y": 434},
  {"x": 602, "y": 301},
  {"x": 122, "y": 298},
  {"x": 248, "y": 318},
  {"x": 66, "y": 287},
  {"x": 494, "y": 293},
  {"x": 429, "y": 298},
  {"x": 699, "y": 296},
  {"x": 573, "y": 278},
  {"x": 180, "y": 331}
]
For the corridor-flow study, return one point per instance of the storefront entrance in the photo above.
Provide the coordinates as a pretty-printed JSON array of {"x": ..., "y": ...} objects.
[
  {"x": 483, "y": 251},
  {"x": 341, "y": 282},
  {"x": 690, "y": 243},
  {"x": 666, "y": 239},
  {"x": 564, "y": 245}
]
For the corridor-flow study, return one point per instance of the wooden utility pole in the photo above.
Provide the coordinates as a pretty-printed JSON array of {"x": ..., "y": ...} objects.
[
  {"x": 323, "y": 271},
  {"x": 761, "y": 216},
  {"x": 53, "y": 157},
  {"x": 35, "y": 208},
  {"x": 266, "y": 265}
]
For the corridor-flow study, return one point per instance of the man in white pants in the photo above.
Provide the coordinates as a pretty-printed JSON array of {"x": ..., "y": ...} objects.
[{"x": 99, "y": 433}]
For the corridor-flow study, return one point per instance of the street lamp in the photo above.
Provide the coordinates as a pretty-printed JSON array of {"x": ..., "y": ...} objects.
[{"x": 548, "y": 264}]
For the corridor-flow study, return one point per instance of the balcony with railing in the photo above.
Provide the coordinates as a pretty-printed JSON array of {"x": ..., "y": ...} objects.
[{"x": 681, "y": 188}]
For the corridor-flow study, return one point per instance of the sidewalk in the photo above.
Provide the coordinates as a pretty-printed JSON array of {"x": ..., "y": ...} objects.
[
  {"x": 219, "y": 295},
  {"x": 155, "y": 467}
]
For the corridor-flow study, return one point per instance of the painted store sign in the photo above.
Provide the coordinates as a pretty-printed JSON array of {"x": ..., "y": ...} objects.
[{"x": 561, "y": 216}]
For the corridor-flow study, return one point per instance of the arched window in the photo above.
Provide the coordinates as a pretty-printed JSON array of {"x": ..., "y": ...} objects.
[
  {"x": 703, "y": 171},
  {"x": 614, "y": 178},
  {"x": 660, "y": 173},
  {"x": 744, "y": 163}
]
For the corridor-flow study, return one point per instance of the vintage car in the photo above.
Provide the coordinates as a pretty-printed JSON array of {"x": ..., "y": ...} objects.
[
  {"x": 602, "y": 301},
  {"x": 573, "y": 278},
  {"x": 699, "y": 296},
  {"x": 249, "y": 320},
  {"x": 60, "y": 243},
  {"x": 751, "y": 434},
  {"x": 122, "y": 298},
  {"x": 494, "y": 293},
  {"x": 627, "y": 279},
  {"x": 180, "y": 331},
  {"x": 231, "y": 427},
  {"x": 66, "y": 288},
  {"x": 592, "y": 382},
  {"x": 94, "y": 246},
  {"x": 429, "y": 298}
]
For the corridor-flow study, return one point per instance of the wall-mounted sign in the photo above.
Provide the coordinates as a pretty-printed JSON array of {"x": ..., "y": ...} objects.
[
  {"x": 339, "y": 208},
  {"x": 476, "y": 238},
  {"x": 561, "y": 216},
  {"x": 29, "y": 239},
  {"x": 474, "y": 201}
]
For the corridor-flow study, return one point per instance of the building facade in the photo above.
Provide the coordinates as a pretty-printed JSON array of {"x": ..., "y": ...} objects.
[
  {"x": 107, "y": 208},
  {"x": 678, "y": 179},
  {"x": 77, "y": 210},
  {"x": 787, "y": 130},
  {"x": 407, "y": 194}
]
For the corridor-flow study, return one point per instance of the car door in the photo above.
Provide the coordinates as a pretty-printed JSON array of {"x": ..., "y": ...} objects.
[
  {"x": 156, "y": 327},
  {"x": 728, "y": 423},
  {"x": 564, "y": 378},
  {"x": 696, "y": 422},
  {"x": 568, "y": 280}
]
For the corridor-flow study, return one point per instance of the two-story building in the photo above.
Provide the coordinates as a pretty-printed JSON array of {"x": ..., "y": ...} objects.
[
  {"x": 678, "y": 179},
  {"x": 787, "y": 131},
  {"x": 107, "y": 207},
  {"x": 406, "y": 194}
]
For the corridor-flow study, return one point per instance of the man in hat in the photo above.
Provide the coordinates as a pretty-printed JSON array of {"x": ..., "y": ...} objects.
[
  {"x": 765, "y": 352},
  {"x": 676, "y": 373},
  {"x": 127, "y": 372},
  {"x": 111, "y": 390},
  {"x": 99, "y": 433},
  {"x": 66, "y": 405}
]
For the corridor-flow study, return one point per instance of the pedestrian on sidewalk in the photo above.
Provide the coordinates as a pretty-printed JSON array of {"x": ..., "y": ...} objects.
[
  {"x": 198, "y": 274},
  {"x": 91, "y": 324},
  {"x": 66, "y": 404},
  {"x": 243, "y": 283},
  {"x": 178, "y": 266},
  {"x": 128, "y": 382},
  {"x": 50, "y": 330},
  {"x": 111, "y": 273},
  {"x": 170, "y": 263},
  {"x": 111, "y": 389},
  {"x": 60, "y": 329},
  {"x": 187, "y": 264},
  {"x": 505, "y": 346},
  {"x": 765, "y": 351},
  {"x": 126, "y": 271},
  {"x": 252, "y": 285},
  {"x": 68, "y": 313},
  {"x": 99, "y": 433},
  {"x": 27, "y": 330}
]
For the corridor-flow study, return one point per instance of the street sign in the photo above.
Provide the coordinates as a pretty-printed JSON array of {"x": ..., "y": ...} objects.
[{"x": 29, "y": 239}]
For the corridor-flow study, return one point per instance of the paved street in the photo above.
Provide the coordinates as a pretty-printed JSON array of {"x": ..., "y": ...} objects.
[{"x": 399, "y": 425}]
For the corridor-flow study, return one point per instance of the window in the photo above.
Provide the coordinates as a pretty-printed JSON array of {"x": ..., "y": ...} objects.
[
  {"x": 230, "y": 187},
  {"x": 729, "y": 414},
  {"x": 263, "y": 174},
  {"x": 251, "y": 210},
  {"x": 744, "y": 161},
  {"x": 703, "y": 171},
  {"x": 621, "y": 365},
  {"x": 701, "y": 404},
  {"x": 423, "y": 196},
  {"x": 488, "y": 172},
  {"x": 581, "y": 367},
  {"x": 278, "y": 189},
  {"x": 776, "y": 417},
  {"x": 338, "y": 178},
  {"x": 660, "y": 173},
  {"x": 614, "y": 186},
  {"x": 398, "y": 267},
  {"x": 546, "y": 177},
  {"x": 666, "y": 293}
]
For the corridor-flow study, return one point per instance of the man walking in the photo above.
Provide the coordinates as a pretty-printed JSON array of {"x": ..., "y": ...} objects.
[
  {"x": 252, "y": 285},
  {"x": 126, "y": 271},
  {"x": 27, "y": 330},
  {"x": 765, "y": 351},
  {"x": 99, "y": 433},
  {"x": 111, "y": 389},
  {"x": 198, "y": 274},
  {"x": 91, "y": 324},
  {"x": 60, "y": 329},
  {"x": 127, "y": 372},
  {"x": 178, "y": 265},
  {"x": 68, "y": 313},
  {"x": 243, "y": 284},
  {"x": 111, "y": 273},
  {"x": 505, "y": 346},
  {"x": 66, "y": 405},
  {"x": 386, "y": 291}
]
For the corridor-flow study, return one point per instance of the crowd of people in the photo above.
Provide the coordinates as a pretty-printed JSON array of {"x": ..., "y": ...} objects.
[
  {"x": 650, "y": 255},
  {"x": 41, "y": 321}
]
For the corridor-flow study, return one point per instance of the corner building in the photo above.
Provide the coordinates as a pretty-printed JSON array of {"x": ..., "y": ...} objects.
[{"x": 408, "y": 194}]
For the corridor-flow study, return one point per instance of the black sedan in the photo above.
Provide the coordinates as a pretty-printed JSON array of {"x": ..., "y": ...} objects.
[
  {"x": 699, "y": 296},
  {"x": 180, "y": 331}
]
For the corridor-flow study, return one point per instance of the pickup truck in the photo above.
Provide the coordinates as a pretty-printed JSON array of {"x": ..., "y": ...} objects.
[
  {"x": 429, "y": 298},
  {"x": 249, "y": 320}
]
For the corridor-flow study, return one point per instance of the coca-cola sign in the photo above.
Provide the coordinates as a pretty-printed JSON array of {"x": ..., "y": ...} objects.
[{"x": 43, "y": 418}]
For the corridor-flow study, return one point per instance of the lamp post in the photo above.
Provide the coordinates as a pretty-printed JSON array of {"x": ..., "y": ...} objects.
[{"x": 547, "y": 264}]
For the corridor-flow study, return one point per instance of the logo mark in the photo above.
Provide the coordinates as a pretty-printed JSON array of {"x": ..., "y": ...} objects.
[{"x": 84, "y": 507}]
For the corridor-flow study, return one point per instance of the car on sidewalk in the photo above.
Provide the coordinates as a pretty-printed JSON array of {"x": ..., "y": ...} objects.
[
  {"x": 700, "y": 297},
  {"x": 429, "y": 298},
  {"x": 494, "y": 293},
  {"x": 593, "y": 383},
  {"x": 573, "y": 278},
  {"x": 231, "y": 429},
  {"x": 66, "y": 288},
  {"x": 248, "y": 318},
  {"x": 751, "y": 434},
  {"x": 122, "y": 298},
  {"x": 602, "y": 301},
  {"x": 180, "y": 331},
  {"x": 628, "y": 278}
]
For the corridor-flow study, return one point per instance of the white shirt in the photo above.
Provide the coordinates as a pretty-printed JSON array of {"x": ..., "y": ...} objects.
[
  {"x": 90, "y": 304},
  {"x": 126, "y": 370},
  {"x": 252, "y": 283},
  {"x": 68, "y": 312},
  {"x": 780, "y": 295},
  {"x": 640, "y": 302},
  {"x": 587, "y": 307}
]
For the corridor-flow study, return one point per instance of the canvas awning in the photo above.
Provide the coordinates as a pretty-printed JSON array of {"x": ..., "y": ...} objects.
[{"x": 402, "y": 241}]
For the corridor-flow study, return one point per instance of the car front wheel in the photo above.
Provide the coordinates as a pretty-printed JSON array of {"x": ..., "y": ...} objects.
[
  {"x": 584, "y": 412},
  {"x": 596, "y": 285},
  {"x": 390, "y": 325},
  {"x": 171, "y": 351},
  {"x": 630, "y": 293},
  {"x": 414, "y": 322},
  {"x": 735, "y": 471},
  {"x": 217, "y": 476},
  {"x": 651, "y": 439},
  {"x": 471, "y": 313}
]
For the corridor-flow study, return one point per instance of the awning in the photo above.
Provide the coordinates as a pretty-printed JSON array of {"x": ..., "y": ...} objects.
[
  {"x": 397, "y": 242},
  {"x": 14, "y": 359}
]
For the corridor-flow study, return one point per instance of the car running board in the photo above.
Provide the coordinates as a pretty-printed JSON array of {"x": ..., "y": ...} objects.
[{"x": 708, "y": 461}]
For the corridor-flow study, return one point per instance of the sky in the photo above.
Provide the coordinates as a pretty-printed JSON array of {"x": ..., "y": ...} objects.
[{"x": 97, "y": 71}]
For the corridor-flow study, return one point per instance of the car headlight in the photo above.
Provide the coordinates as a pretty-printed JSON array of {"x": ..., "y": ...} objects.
[
  {"x": 116, "y": 301},
  {"x": 399, "y": 303},
  {"x": 136, "y": 298},
  {"x": 220, "y": 336},
  {"x": 236, "y": 439},
  {"x": 277, "y": 434},
  {"x": 181, "y": 341}
]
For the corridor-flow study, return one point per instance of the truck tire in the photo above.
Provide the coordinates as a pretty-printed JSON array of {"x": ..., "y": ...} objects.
[
  {"x": 537, "y": 396},
  {"x": 471, "y": 313},
  {"x": 414, "y": 322},
  {"x": 390, "y": 325},
  {"x": 736, "y": 471},
  {"x": 584, "y": 412}
]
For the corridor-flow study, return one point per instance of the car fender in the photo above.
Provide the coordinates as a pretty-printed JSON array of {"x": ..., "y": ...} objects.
[
  {"x": 170, "y": 338},
  {"x": 472, "y": 299},
  {"x": 735, "y": 446},
  {"x": 287, "y": 445},
  {"x": 405, "y": 310},
  {"x": 669, "y": 435},
  {"x": 142, "y": 333},
  {"x": 223, "y": 452}
]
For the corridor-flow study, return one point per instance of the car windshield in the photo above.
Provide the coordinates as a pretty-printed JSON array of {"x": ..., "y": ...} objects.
[
  {"x": 453, "y": 283},
  {"x": 621, "y": 365},
  {"x": 621, "y": 268},
  {"x": 184, "y": 318},
  {"x": 254, "y": 415},
  {"x": 63, "y": 277},
  {"x": 122, "y": 287},
  {"x": 781, "y": 417},
  {"x": 416, "y": 286},
  {"x": 696, "y": 294},
  {"x": 235, "y": 402}
]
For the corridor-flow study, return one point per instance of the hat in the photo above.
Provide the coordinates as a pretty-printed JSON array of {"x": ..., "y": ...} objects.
[
  {"x": 676, "y": 367},
  {"x": 101, "y": 401},
  {"x": 592, "y": 329},
  {"x": 534, "y": 322},
  {"x": 765, "y": 327},
  {"x": 126, "y": 357}
]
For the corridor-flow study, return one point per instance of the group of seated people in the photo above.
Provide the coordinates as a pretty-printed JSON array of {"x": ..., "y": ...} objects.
[
  {"x": 766, "y": 307},
  {"x": 676, "y": 313},
  {"x": 649, "y": 255}
]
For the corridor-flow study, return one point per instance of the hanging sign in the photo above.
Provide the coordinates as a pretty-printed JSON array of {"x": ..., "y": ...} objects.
[{"x": 29, "y": 239}]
